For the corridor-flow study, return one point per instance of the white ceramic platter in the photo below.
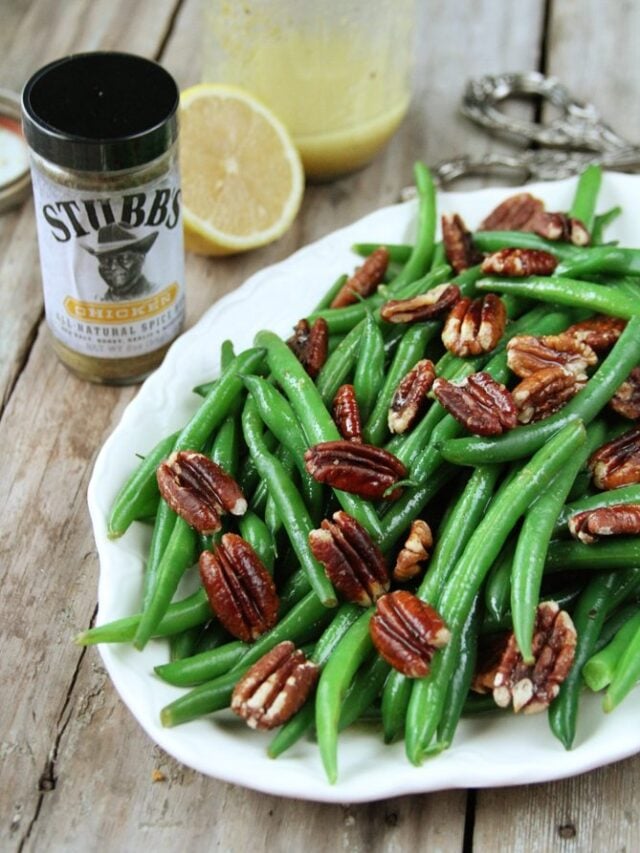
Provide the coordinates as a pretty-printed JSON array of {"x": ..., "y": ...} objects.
[{"x": 487, "y": 751}]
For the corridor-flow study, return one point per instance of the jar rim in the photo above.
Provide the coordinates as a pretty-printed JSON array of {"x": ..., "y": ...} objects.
[{"x": 100, "y": 111}]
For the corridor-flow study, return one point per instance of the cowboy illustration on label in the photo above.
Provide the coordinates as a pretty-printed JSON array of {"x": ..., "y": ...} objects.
[{"x": 121, "y": 256}]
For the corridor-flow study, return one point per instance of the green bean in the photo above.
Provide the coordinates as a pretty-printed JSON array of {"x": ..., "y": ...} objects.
[
  {"x": 458, "y": 528},
  {"x": 602, "y": 222},
  {"x": 627, "y": 672},
  {"x": 395, "y": 700},
  {"x": 339, "y": 365},
  {"x": 588, "y": 618},
  {"x": 421, "y": 255},
  {"x": 460, "y": 683},
  {"x": 181, "y": 615},
  {"x": 399, "y": 253},
  {"x": 317, "y": 424},
  {"x": 428, "y": 695},
  {"x": 215, "y": 406},
  {"x": 498, "y": 584},
  {"x": 364, "y": 689},
  {"x": 330, "y": 295},
  {"x": 560, "y": 290},
  {"x": 271, "y": 515},
  {"x": 369, "y": 373},
  {"x": 616, "y": 618},
  {"x": 533, "y": 543},
  {"x": 598, "y": 672},
  {"x": 162, "y": 529},
  {"x": 288, "y": 501},
  {"x": 402, "y": 512},
  {"x": 139, "y": 489},
  {"x": 202, "y": 667},
  {"x": 351, "y": 651},
  {"x": 216, "y": 694},
  {"x": 586, "y": 196},
  {"x": 302, "y": 721},
  {"x": 493, "y": 241},
  {"x": 525, "y": 440},
  {"x": 253, "y": 529},
  {"x": 178, "y": 556},
  {"x": 183, "y": 645},
  {"x": 619, "y": 553},
  {"x": 280, "y": 419},
  {"x": 565, "y": 598},
  {"x": 624, "y": 495}
]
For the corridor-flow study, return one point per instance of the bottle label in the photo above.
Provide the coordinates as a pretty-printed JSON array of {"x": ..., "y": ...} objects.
[{"x": 112, "y": 265}]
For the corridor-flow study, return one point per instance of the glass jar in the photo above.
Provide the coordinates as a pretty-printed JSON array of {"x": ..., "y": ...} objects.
[
  {"x": 102, "y": 129},
  {"x": 336, "y": 72}
]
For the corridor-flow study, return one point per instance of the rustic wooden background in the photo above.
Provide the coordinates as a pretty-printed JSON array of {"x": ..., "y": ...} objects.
[{"x": 75, "y": 768}]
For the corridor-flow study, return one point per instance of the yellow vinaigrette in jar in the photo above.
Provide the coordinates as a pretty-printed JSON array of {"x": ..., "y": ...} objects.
[{"x": 336, "y": 74}]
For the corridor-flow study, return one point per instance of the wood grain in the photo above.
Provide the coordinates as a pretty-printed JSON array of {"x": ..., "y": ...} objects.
[
  {"x": 76, "y": 768},
  {"x": 592, "y": 49}
]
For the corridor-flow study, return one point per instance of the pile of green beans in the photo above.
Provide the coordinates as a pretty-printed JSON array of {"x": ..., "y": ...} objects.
[{"x": 499, "y": 505}]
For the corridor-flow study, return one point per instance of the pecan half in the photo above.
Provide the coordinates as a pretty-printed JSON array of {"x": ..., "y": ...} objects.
[
  {"x": 310, "y": 344},
  {"x": 353, "y": 562},
  {"x": 365, "y": 279},
  {"x": 618, "y": 520},
  {"x": 559, "y": 226},
  {"x": 346, "y": 413},
  {"x": 482, "y": 405},
  {"x": 426, "y": 306},
  {"x": 600, "y": 332},
  {"x": 626, "y": 400},
  {"x": 520, "y": 262},
  {"x": 361, "y": 469},
  {"x": 275, "y": 687},
  {"x": 240, "y": 590},
  {"x": 617, "y": 463},
  {"x": 513, "y": 214},
  {"x": 415, "y": 551},
  {"x": 474, "y": 326},
  {"x": 544, "y": 392},
  {"x": 527, "y": 354},
  {"x": 532, "y": 687},
  {"x": 406, "y": 632},
  {"x": 491, "y": 648},
  {"x": 199, "y": 490},
  {"x": 458, "y": 243},
  {"x": 410, "y": 397}
]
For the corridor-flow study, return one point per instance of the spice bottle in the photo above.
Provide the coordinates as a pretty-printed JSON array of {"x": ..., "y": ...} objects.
[{"x": 102, "y": 131}]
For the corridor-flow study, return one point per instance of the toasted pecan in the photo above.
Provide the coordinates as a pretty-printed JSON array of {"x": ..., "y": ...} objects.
[
  {"x": 482, "y": 405},
  {"x": 474, "y": 326},
  {"x": 240, "y": 590},
  {"x": 353, "y": 562},
  {"x": 410, "y": 397},
  {"x": 544, "y": 392},
  {"x": 526, "y": 354},
  {"x": 406, "y": 632},
  {"x": 365, "y": 279},
  {"x": 531, "y": 688},
  {"x": 617, "y": 463},
  {"x": 359, "y": 468},
  {"x": 275, "y": 687},
  {"x": 199, "y": 490}
]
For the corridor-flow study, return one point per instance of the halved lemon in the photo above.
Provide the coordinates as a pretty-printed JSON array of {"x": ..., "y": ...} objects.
[{"x": 242, "y": 178}]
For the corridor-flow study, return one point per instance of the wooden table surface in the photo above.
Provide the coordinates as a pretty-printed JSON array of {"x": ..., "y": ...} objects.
[{"x": 75, "y": 767}]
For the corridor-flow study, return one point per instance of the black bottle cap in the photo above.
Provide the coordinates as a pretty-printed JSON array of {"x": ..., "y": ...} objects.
[{"x": 101, "y": 111}]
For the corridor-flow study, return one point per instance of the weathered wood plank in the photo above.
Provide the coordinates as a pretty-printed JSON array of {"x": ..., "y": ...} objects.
[
  {"x": 595, "y": 811},
  {"x": 592, "y": 49},
  {"x": 102, "y": 762},
  {"x": 40, "y": 33}
]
